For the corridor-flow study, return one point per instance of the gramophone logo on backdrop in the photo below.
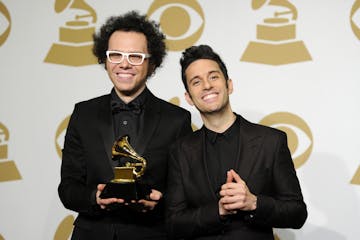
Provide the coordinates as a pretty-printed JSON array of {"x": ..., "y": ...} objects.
[
  {"x": 182, "y": 21},
  {"x": 355, "y": 18},
  {"x": 300, "y": 139},
  {"x": 8, "y": 169},
  {"x": 64, "y": 230},
  {"x": 276, "y": 42},
  {"x": 75, "y": 37},
  {"x": 356, "y": 178},
  {"x": 60, "y": 135},
  {"x": 5, "y": 23},
  {"x": 65, "y": 227},
  {"x": 176, "y": 101}
]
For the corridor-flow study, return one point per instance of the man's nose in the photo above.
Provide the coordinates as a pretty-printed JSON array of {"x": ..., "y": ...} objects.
[
  {"x": 125, "y": 63},
  {"x": 207, "y": 84}
]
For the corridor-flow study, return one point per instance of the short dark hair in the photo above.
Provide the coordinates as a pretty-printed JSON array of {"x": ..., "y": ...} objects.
[
  {"x": 132, "y": 22},
  {"x": 194, "y": 53}
]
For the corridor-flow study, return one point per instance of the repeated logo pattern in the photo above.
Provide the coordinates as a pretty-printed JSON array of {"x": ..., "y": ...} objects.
[
  {"x": 8, "y": 169},
  {"x": 5, "y": 23},
  {"x": 356, "y": 178},
  {"x": 64, "y": 229},
  {"x": 59, "y": 135},
  {"x": 75, "y": 38},
  {"x": 296, "y": 130},
  {"x": 355, "y": 25},
  {"x": 177, "y": 19},
  {"x": 276, "y": 42}
]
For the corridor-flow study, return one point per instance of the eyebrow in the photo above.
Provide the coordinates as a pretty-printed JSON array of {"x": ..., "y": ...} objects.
[
  {"x": 136, "y": 51},
  {"x": 209, "y": 73},
  {"x": 214, "y": 71}
]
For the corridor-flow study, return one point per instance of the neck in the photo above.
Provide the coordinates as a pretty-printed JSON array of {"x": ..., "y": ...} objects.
[
  {"x": 219, "y": 121},
  {"x": 127, "y": 97}
]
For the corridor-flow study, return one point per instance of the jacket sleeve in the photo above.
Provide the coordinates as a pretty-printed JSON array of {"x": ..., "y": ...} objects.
[
  {"x": 184, "y": 220},
  {"x": 283, "y": 206},
  {"x": 73, "y": 191}
]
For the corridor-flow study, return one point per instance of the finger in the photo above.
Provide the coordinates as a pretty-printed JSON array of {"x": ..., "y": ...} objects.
[
  {"x": 227, "y": 192},
  {"x": 231, "y": 203},
  {"x": 230, "y": 199},
  {"x": 104, "y": 202},
  {"x": 149, "y": 205},
  {"x": 232, "y": 207},
  {"x": 236, "y": 176},
  {"x": 229, "y": 188},
  {"x": 155, "y": 195}
]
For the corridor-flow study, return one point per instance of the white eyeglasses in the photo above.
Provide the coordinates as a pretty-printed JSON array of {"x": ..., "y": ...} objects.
[{"x": 132, "y": 58}]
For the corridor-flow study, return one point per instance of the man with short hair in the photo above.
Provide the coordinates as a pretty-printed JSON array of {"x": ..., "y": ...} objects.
[{"x": 231, "y": 179}]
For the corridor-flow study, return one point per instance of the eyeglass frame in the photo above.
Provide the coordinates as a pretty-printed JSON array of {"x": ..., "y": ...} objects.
[{"x": 125, "y": 54}]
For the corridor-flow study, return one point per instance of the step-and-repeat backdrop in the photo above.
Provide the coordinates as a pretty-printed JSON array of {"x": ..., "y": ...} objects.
[{"x": 295, "y": 66}]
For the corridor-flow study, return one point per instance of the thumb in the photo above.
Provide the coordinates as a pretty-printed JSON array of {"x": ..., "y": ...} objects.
[
  {"x": 100, "y": 187},
  {"x": 229, "y": 177},
  {"x": 155, "y": 195}
]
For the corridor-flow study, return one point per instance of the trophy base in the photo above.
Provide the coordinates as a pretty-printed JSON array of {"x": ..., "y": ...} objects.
[{"x": 128, "y": 191}]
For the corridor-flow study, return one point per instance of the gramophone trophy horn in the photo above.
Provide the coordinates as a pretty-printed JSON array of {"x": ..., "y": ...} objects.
[
  {"x": 126, "y": 183},
  {"x": 123, "y": 148}
]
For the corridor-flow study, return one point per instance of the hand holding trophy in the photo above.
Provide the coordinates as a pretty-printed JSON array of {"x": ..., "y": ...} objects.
[{"x": 126, "y": 183}]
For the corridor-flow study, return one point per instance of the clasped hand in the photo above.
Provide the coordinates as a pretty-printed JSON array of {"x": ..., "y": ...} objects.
[
  {"x": 149, "y": 204},
  {"x": 235, "y": 195}
]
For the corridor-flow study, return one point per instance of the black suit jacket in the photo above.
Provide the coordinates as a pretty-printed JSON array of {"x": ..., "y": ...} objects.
[
  {"x": 264, "y": 163},
  {"x": 87, "y": 159}
]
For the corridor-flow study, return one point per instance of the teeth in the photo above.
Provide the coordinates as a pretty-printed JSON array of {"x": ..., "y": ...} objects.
[
  {"x": 209, "y": 96},
  {"x": 123, "y": 74}
]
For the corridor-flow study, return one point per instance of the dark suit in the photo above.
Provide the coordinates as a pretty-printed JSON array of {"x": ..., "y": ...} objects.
[
  {"x": 264, "y": 163},
  {"x": 87, "y": 161}
]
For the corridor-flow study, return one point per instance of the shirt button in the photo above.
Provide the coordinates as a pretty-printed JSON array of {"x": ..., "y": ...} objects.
[{"x": 125, "y": 122}]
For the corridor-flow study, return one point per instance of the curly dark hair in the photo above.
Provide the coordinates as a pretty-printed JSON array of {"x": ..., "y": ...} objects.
[
  {"x": 194, "y": 53},
  {"x": 132, "y": 22}
]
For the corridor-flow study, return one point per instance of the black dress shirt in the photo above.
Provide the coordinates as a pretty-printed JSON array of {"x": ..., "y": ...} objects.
[
  {"x": 127, "y": 118},
  {"x": 221, "y": 153}
]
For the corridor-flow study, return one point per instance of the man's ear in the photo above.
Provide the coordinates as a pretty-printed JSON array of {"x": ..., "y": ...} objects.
[
  {"x": 188, "y": 99},
  {"x": 151, "y": 70},
  {"x": 230, "y": 86}
]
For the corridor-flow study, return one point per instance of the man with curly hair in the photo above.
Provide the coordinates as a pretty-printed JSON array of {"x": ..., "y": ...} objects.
[{"x": 131, "y": 47}]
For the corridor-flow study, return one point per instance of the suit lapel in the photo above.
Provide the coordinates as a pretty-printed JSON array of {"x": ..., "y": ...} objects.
[
  {"x": 106, "y": 127},
  {"x": 249, "y": 147},
  {"x": 150, "y": 122}
]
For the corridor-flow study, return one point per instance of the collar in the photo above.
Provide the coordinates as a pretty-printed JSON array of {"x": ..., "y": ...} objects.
[
  {"x": 139, "y": 100},
  {"x": 227, "y": 134}
]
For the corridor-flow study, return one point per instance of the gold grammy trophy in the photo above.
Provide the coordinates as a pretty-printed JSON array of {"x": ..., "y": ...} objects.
[
  {"x": 276, "y": 37},
  {"x": 127, "y": 178},
  {"x": 75, "y": 46}
]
